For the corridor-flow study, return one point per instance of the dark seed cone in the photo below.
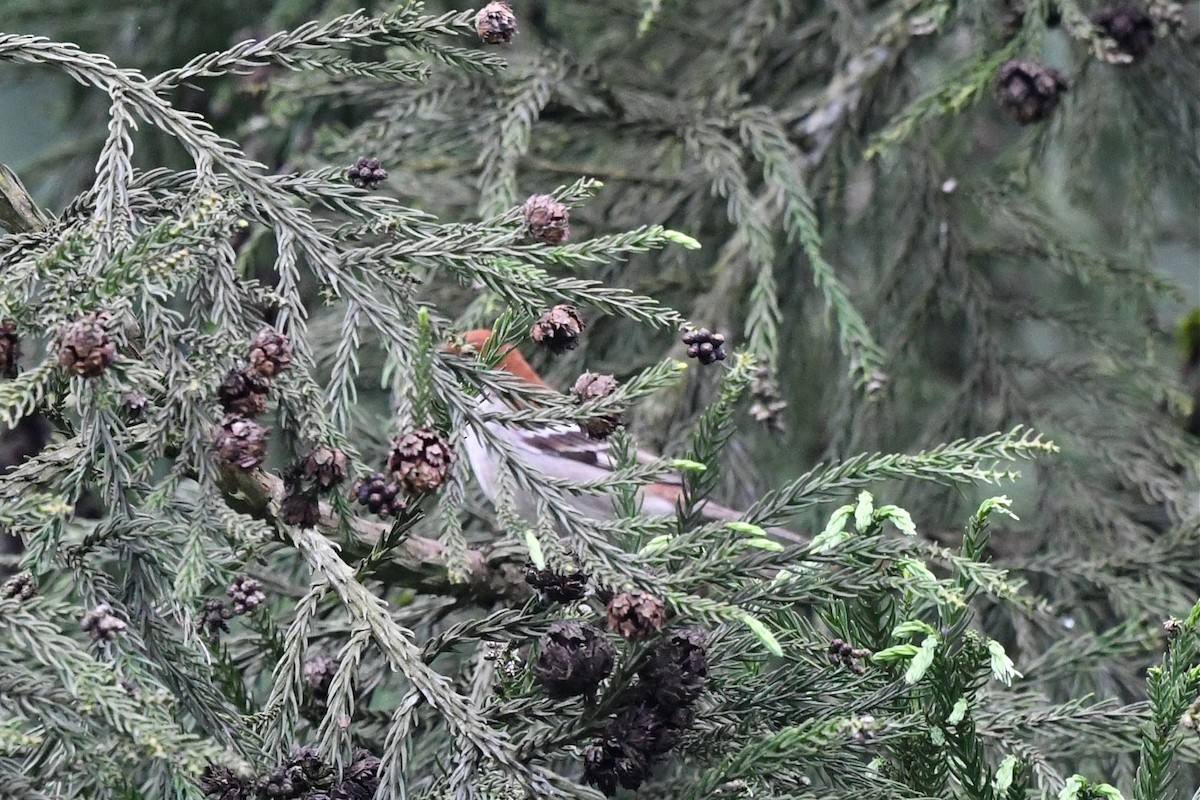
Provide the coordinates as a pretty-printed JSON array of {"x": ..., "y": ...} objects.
[
  {"x": 300, "y": 507},
  {"x": 135, "y": 405},
  {"x": 19, "y": 587},
  {"x": 592, "y": 386},
  {"x": 496, "y": 23},
  {"x": 240, "y": 443},
  {"x": 300, "y": 774},
  {"x": 246, "y": 594},
  {"x": 214, "y": 618},
  {"x": 605, "y": 594},
  {"x": 325, "y": 466},
  {"x": 649, "y": 729},
  {"x": 1028, "y": 91},
  {"x": 367, "y": 173},
  {"x": 558, "y": 329},
  {"x": 705, "y": 346},
  {"x": 635, "y": 615},
  {"x": 270, "y": 353},
  {"x": 362, "y": 778},
  {"x": 381, "y": 496},
  {"x": 573, "y": 659},
  {"x": 10, "y": 348},
  {"x": 1130, "y": 28},
  {"x": 1012, "y": 17},
  {"x": 84, "y": 346},
  {"x": 557, "y": 587},
  {"x": 101, "y": 624},
  {"x": 677, "y": 671},
  {"x": 546, "y": 220},
  {"x": 244, "y": 391},
  {"x": 318, "y": 674},
  {"x": 420, "y": 460},
  {"x": 624, "y": 754},
  {"x": 843, "y": 654},
  {"x": 220, "y": 783},
  {"x": 609, "y": 764}
]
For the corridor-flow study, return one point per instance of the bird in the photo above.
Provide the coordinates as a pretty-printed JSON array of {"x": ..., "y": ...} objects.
[{"x": 565, "y": 452}]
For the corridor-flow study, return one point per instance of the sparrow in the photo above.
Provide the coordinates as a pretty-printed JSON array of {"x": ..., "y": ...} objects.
[{"x": 565, "y": 452}]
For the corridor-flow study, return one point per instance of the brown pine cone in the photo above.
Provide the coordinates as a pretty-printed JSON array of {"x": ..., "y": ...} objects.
[
  {"x": 650, "y": 729},
  {"x": 270, "y": 353},
  {"x": 592, "y": 386},
  {"x": 558, "y": 587},
  {"x": 677, "y": 671},
  {"x": 244, "y": 391},
  {"x": 318, "y": 675},
  {"x": 214, "y": 618},
  {"x": 558, "y": 329},
  {"x": 101, "y": 624},
  {"x": 546, "y": 220},
  {"x": 609, "y": 763},
  {"x": 846, "y": 655},
  {"x": 635, "y": 615},
  {"x": 1130, "y": 28},
  {"x": 420, "y": 460},
  {"x": 301, "y": 775},
  {"x": 300, "y": 507},
  {"x": 325, "y": 467},
  {"x": 240, "y": 443},
  {"x": 135, "y": 405},
  {"x": 767, "y": 405},
  {"x": 496, "y": 23},
  {"x": 573, "y": 659},
  {"x": 84, "y": 346},
  {"x": 221, "y": 783},
  {"x": 19, "y": 587},
  {"x": 362, "y": 778},
  {"x": 1029, "y": 91}
]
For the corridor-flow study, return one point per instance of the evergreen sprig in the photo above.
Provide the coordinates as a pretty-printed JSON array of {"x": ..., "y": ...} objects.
[{"x": 192, "y": 613}]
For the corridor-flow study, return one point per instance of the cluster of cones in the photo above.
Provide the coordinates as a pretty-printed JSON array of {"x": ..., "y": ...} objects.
[
  {"x": 245, "y": 595},
  {"x": 238, "y": 440},
  {"x": 655, "y": 714},
  {"x": 302, "y": 776},
  {"x": 418, "y": 464},
  {"x": 1030, "y": 91},
  {"x": 655, "y": 711}
]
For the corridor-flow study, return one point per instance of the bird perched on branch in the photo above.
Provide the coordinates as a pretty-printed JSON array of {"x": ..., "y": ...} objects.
[{"x": 565, "y": 452}]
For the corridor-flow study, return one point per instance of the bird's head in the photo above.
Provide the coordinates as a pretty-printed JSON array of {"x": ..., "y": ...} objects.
[{"x": 511, "y": 361}]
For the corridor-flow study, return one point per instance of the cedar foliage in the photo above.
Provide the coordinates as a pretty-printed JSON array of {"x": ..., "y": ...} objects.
[{"x": 884, "y": 252}]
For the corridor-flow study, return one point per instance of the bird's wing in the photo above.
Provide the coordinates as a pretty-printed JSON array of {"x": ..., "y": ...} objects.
[{"x": 564, "y": 451}]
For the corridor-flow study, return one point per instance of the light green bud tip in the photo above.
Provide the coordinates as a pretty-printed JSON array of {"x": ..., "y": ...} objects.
[
  {"x": 737, "y": 526},
  {"x": 764, "y": 635},
  {"x": 535, "y": 549},
  {"x": 681, "y": 239}
]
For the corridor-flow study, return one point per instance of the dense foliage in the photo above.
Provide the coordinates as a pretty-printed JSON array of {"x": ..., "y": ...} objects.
[{"x": 278, "y": 528}]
